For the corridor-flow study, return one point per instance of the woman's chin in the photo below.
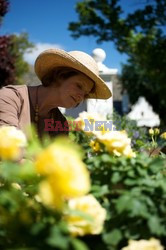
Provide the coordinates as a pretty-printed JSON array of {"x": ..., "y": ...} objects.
[{"x": 71, "y": 105}]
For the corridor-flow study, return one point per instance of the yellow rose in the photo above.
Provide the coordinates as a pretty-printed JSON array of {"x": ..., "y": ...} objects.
[
  {"x": 88, "y": 121},
  {"x": 163, "y": 135},
  {"x": 151, "y": 244},
  {"x": 151, "y": 131},
  {"x": 128, "y": 152},
  {"x": 156, "y": 131},
  {"x": 95, "y": 146},
  {"x": 67, "y": 175},
  {"x": 117, "y": 142},
  {"x": 12, "y": 141},
  {"x": 86, "y": 216},
  {"x": 93, "y": 123},
  {"x": 49, "y": 197}
]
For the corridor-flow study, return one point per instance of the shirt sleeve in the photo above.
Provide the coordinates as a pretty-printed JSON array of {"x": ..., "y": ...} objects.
[{"x": 10, "y": 106}]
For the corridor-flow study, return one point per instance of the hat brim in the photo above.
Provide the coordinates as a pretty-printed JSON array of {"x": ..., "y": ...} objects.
[{"x": 53, "y": 58}]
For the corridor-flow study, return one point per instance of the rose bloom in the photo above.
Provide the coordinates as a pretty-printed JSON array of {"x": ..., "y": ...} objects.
[
  {"x": 151, "y": 244},
  {"x": 95, "y": 146},
  {"x": 48, "y": 197},
  {"x": 117, "y": 142},
  {"x": 87, "y": 217},
  {"x": 156, "y": 131},
  {"x": 88, "y": 118},
  {"x": 12, "y": 142},
  {"x": 163, "y": 135},
  {"x": 67, "y": 176},
  {"x": 151, "y": 131}
]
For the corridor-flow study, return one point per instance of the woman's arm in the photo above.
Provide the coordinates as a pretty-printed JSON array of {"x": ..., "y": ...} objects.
[{"x": 10, "y": 106}]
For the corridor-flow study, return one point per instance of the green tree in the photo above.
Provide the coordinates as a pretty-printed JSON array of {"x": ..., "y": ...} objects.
[
  {"x": 4, "y": 4},
  {"x": 12, "y": 49},
  {"x": 140, "y": 35},
  {"x": 20, "y": 44}
]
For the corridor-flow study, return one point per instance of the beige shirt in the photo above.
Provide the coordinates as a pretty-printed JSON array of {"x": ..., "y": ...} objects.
[
  {"x": 15, "y": 110},
  {"x": 14, "y": 106}
]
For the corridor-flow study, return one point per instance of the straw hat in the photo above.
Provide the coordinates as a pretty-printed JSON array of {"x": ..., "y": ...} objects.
[{"x": 52, "y": 58}]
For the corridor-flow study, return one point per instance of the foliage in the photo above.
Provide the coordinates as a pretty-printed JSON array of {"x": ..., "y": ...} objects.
[
  {"x": 13, "y": 47},
  {"x": 7, "y": 68},
  {"x": 144, "y": 74},
  {"x": 132, "y": 191},
  {"x": 4, "y": 4},
  {"x": 140, "y": 35},
  {"x": 139, "y": 135},
  {"x": 20, "y": 45},
  {"x": 12, "y": 64},
  {"x": 106, "y": 20},
  {"x": 28, "y": 219},
  {"x": 25, "y": 222}
]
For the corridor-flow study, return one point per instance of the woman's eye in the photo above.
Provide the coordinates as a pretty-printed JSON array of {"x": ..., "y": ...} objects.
[{"x": 79, "y": 86}]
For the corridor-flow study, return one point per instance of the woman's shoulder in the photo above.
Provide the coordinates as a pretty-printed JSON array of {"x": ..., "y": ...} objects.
[
  {"x": 8, "y": 88},
  {"x": 13, "y": 91},
  {"x": 13, "y": 87}
]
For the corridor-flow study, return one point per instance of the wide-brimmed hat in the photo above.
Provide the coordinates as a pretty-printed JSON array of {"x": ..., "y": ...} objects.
[{"x": 53, "y": 58}]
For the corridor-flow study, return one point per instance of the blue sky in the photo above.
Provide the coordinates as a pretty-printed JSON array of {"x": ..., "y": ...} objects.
[{"x": 46, "y": 23}]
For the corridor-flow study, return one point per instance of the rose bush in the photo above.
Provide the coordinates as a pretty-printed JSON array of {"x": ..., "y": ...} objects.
[
  {"x": 104, "y": 194},
  {"x": 66, "y": 174}
]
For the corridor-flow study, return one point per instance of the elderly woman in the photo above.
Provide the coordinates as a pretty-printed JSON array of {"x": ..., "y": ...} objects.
[{"x": 67, "y": 79}]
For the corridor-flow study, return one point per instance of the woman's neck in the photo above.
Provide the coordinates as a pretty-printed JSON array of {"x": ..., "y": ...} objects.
[{"x": 41, "y": 96}]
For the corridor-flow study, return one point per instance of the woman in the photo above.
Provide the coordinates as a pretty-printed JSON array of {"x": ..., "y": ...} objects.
[{"x": 67, "y": 79}]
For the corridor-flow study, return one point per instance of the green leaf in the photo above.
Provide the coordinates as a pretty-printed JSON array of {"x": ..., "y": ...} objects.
[
  {"x": 113, "y": 238},
  {"x": 123, "y": 203},
  {"x": 57, "y": 239},
  {"x": 138, "y": 208},
  {"x": 37, "y": 227},
  {"x": 116, "y": 177},
  {"x": 79, "y": 245},
  {"x": 106, "y": 158},
  {"x": 155, "y": 225},
  {"x": 131, "y": 173},
  {"x": 99, "y": 191}
]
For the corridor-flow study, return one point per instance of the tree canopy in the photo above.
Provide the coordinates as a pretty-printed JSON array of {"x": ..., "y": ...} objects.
[
  {"x": 12, "y": 48},
  {"x": 140, "y": 34},
  {"x": 4, "y": 5}
]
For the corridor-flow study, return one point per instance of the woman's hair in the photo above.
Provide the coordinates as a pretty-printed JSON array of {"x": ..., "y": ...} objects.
[{"x": 59, "y": 74}]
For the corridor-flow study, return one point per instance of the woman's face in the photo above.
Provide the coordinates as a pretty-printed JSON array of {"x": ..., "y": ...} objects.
[{"x": 73, "y": 90}]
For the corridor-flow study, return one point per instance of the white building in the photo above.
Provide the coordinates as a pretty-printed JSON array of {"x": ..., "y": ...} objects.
[{"x": 143, "y": 114}]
